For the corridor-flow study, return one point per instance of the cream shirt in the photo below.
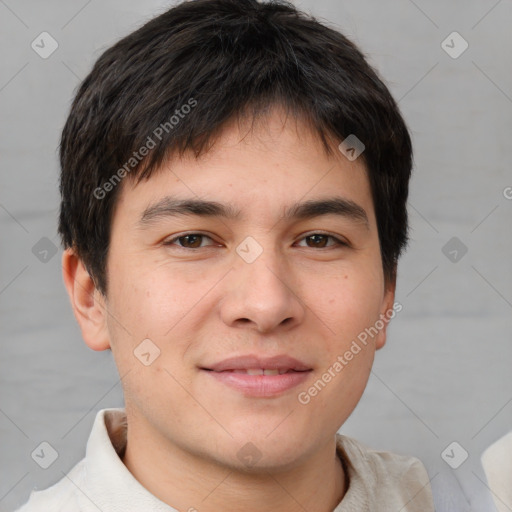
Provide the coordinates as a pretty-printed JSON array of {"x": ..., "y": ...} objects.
[
  {"x": 497, "y": 463},
  {"x": 378, "y": 481}
]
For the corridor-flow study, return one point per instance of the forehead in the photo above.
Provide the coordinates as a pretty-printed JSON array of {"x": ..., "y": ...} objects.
[{"x": 259, "y": 166}]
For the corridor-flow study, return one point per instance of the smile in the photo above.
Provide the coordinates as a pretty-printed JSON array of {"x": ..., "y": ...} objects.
[{"x": 262, "y": 371}]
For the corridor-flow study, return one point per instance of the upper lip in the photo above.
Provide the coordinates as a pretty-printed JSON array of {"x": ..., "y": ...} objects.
[{"x": 279, "y": 362}]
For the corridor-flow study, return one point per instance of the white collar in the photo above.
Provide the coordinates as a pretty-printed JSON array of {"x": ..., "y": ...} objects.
[
  {"x": 373, "y": 475},
  {"x": 105, "y": 471}
]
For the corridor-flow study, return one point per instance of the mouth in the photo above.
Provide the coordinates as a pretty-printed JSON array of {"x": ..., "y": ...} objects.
[
  {"x": 261, "y": 364},
  {"x": 255, "y": 376},
  {"x": 263, "y": 371}
]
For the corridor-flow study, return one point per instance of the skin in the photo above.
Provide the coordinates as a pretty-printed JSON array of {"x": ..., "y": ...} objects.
[{"x": 201, "y": 305}]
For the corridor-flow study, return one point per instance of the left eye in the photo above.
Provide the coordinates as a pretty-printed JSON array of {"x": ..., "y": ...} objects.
[
  {"x": 194, "y": 241},
  {"x": 319, "y": 240}
]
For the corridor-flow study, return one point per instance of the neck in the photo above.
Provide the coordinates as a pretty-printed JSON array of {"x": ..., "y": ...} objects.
[{"x": 188, "y": 482}]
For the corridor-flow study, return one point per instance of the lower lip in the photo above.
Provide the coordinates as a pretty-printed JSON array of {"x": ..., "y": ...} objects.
[{"x": 260, "y": 385}]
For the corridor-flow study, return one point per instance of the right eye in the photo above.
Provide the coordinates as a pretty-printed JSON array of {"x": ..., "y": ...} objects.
[{"x": 188, "y": 241}]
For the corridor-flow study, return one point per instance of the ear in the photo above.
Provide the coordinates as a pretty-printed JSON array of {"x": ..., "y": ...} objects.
[
  {"x": 387, "y": 311},
  {"x": 87, "y": 301}
]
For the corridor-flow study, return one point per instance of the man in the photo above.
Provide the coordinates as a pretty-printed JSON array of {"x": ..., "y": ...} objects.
[{"x": 234, "y": 185}]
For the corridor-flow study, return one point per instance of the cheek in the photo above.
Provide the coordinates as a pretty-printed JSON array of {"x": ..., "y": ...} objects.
[
  {"x": 144, "y": 306},
  {"x": 150, "y": 302},
  {"x": 350, "y": 303},
  {"x": 161, "y": 304}
]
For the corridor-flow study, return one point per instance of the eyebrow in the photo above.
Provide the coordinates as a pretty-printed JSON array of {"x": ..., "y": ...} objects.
[{"x": 173, "y": 207}]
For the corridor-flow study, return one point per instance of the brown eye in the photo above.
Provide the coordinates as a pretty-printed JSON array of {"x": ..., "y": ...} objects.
[
  {"x": 189, "y": 241},
  {"x": 317, "y": 240},
  {"x": 321, "y": 241}
]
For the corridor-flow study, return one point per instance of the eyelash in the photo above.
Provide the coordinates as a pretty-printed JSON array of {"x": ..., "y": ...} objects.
[{"x": 170, "y": 242}]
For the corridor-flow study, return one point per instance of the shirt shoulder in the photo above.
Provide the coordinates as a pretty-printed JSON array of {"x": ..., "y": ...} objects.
[
  {"x": 381, "y": 480},
  {"x": 60, "y": 497},
  {"x": 497, "y": 464}
]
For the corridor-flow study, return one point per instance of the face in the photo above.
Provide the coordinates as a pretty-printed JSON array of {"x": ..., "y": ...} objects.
[{"x": 261, "y": 280}]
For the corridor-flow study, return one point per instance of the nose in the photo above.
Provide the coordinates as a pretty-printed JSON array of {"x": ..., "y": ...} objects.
[{"x": 261, "y": 295}]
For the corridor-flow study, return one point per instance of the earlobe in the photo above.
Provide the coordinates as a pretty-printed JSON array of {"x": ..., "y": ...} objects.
[
  {"x": 386, "y": 314},
  {"x": 86, "y": 300}
]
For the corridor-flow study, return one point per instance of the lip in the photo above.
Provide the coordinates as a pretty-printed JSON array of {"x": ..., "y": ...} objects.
[
  {"x": 227, "y": 373},
  {"x": 279, "y": 362}
]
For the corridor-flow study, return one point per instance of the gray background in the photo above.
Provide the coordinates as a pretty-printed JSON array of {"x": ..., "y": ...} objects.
[{"x": 445, "y": 374}]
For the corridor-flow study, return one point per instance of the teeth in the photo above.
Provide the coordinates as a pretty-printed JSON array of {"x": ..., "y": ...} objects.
[
  {"x": 256, "y": 371},
  {"x": 261, "y": 371}
]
